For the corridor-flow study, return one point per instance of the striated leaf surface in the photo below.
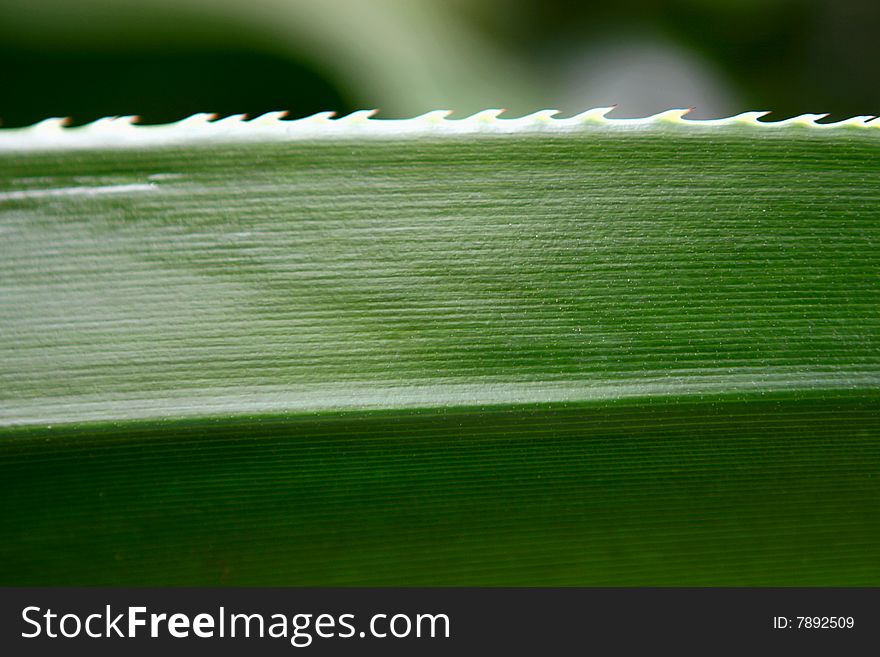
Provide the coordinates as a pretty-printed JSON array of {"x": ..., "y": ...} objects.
[{"x": 487, "y": 351}]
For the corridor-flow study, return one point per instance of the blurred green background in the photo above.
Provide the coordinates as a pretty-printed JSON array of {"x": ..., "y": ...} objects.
[{"x": 166, "y": 59}]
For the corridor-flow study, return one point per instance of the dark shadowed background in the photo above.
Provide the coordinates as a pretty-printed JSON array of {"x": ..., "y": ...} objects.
[{"x": 166, "y": 59}]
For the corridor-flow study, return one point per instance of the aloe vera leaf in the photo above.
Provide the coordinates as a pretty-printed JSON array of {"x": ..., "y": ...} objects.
[{"x": 489, "y": 351}]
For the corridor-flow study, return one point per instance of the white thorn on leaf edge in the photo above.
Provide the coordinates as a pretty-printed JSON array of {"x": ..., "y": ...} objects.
[{"x": 118, "y": 132}]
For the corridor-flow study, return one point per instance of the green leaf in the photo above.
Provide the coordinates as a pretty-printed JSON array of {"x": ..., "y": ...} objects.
[{"x": 488, "y": 351}]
